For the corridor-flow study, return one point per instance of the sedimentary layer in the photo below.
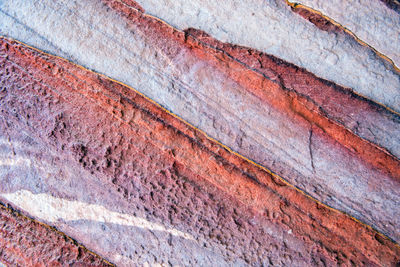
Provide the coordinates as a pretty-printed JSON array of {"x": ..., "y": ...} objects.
[
  {"x": 373, "y": 23},
  {"x": 272, "y": 28},
  {"x": 195, "y": 82},
  {"x": 25, "y": 242},
  {"x": 253, "y": 113},
  {"x": 137, "y": 185}
]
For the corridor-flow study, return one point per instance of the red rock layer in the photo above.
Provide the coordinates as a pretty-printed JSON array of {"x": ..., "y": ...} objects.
[
  {"x": 316, "y": 19},
  {"x": 324, "y": 24},
  {"x": 352, "y": 124},
  {"x": 141, "y": 151},
  {"x": 340, "y": 113},
  {"x": 25, "y": 242},
  {"x": 337, "y": 111}
]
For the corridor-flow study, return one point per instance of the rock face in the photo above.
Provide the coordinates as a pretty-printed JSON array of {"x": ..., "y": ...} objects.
[
  {"x": 24, "y": 242},
  {"x": 260, "y": 161},
  {"x": 370, "y": 22}
]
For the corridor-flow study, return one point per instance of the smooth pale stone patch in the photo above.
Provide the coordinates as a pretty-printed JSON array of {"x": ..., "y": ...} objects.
[
  {"x": 52, "y": 209},
  {"x": 8, "y": 162}
]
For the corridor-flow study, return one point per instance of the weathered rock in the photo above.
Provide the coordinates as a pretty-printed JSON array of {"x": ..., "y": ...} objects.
[
  {"x": 139, "y": 186},
  {"x": 25, "y": 242},
  {"x": 317, "y": 19},
  {"x": 374, "y": 24},
  {"x": 91, "y": 146},
  {"x": 270, "y": 27},
  {"x": 338, "y": 147}
]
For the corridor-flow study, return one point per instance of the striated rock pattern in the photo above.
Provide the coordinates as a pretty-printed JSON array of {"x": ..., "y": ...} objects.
[
  {"x": 372, "y": 22},
  {"x": 86, "y": 139},
  {"x": 24, "y": 242},
  {"x": 67, "y": 28},
  {"x": 222, "y": 154}
]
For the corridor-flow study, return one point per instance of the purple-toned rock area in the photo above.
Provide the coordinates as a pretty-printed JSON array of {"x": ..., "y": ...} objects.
[{"x": 137, "y": 134}]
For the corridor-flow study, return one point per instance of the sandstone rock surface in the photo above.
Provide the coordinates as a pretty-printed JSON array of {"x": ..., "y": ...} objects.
[
  {"x": 24, "y": 242},
  {"x": 373, "y": 23},
  {"x": 246, "y": 160},
  {"x": 246, "y": 110},
  {"x": 89, "y": 140}
]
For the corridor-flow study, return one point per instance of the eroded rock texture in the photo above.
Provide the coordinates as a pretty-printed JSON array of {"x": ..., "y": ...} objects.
[
  {"x": 280, "y": 167},
  {"x": 24, "y": 242},
  {"x": 97, "y": 142},
  {"x": 371, "y": 22}
]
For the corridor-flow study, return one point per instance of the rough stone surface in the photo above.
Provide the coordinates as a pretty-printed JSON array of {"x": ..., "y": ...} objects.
[
  {"x": 25, "y": 242},
  {"x": 271, "y": 28},
  {"x": 339, "y": 106},
  {"x": 317, "y": 19},
  {"x": 139, "y": 186},
  {"x": 67, "y": 28},
  {"x": 373, "y": 23},
  {"x": 284, "y": 113},
  {"x": 338, "y": 147},
  {"x": 81, "y": 138}
]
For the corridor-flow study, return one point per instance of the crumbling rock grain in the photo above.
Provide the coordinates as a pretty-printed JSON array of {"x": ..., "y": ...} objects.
[
  {"x": 171, "y": 173},
  {"x": 291, "y": 102},
  {"x": 349, "y": 162},
  {"x": 25, "y": 242}
]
